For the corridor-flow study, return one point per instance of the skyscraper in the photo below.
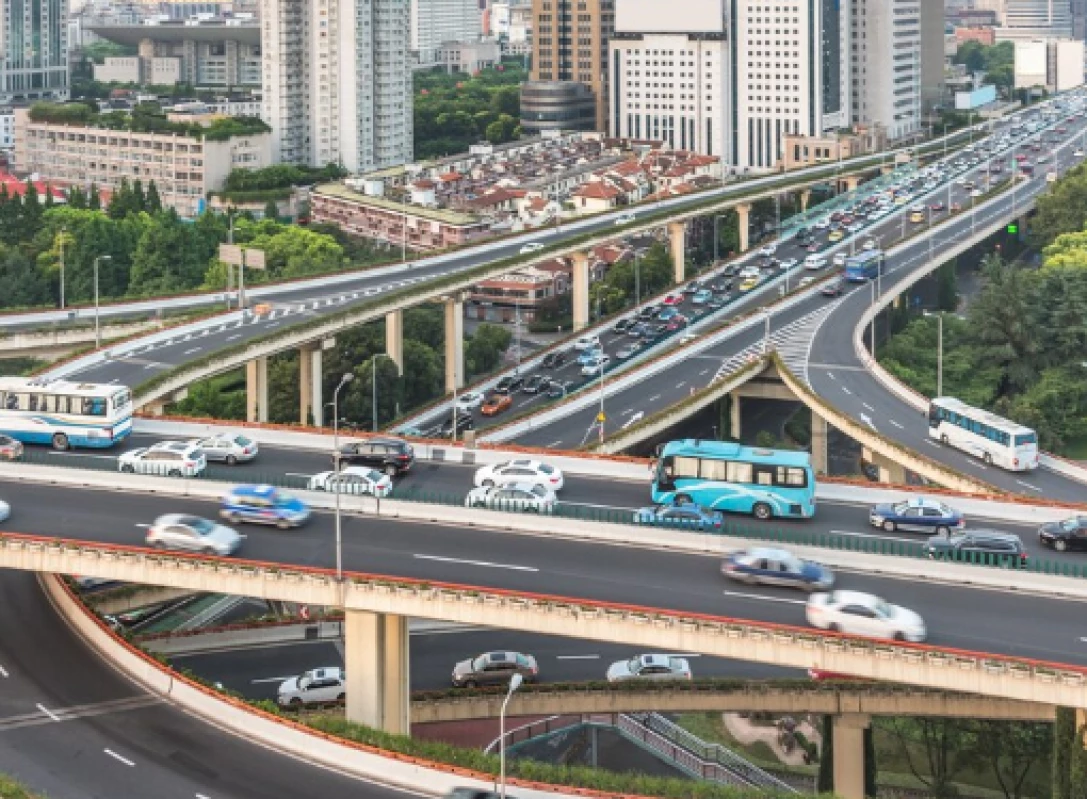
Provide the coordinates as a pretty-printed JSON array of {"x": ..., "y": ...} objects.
[
  {"x": 887, "y": 64},
  {"x": 337, "y": 81},
  {"x": 1036, "y": 19},
  {"x": 434, "y": 22},
  {"x": 571, "y": 44},
  {"x": 33, "y": 50}
]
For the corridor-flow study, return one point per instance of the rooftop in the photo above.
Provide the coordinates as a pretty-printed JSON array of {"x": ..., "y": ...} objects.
[{"x": 342, "y": 192}]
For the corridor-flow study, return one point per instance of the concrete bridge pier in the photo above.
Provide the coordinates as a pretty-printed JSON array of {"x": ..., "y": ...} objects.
[
  {"x": 849, "y": 754},
  {"x": 889, "y": 471},
  {"x": 454, "y": 344},
  {"x": 820, "y": 458},
  {"x": 851, "y": 182},
  {"x": 256, "y": 390},
  {"x": 394, "y": 338},
  {"x": 677, "y": 240},
  {"x": 805, "y": 198},
  {"x": 310, "y": 389},
  {"x": 377, "y": 660},
  {"x": 735, "y": 415},
  {"x": 580, "y": 290},
  {"x": 743, "y": 223}
]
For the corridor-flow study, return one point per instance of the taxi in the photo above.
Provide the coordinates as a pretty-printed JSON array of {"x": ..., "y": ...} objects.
[
  {"x": 918, "y": 515},
  {"x": 263, "y": 504}
]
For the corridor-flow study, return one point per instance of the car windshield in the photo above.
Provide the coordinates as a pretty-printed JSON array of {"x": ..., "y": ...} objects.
[
  {"x": 304, "y": 682},
  {"x": 201, "y": 526},
  {"x": 635, "y": 665},
  {"x": 539, "y": 490},
  {"x": 1068, "y": 525},
  {"x": 479, "y": 663},
  {"x": 242, "y": 441},
  {"x": 883, "y": 609}
]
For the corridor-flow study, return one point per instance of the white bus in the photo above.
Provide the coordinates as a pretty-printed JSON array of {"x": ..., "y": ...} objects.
[
  {"x": 64, "y": 414},
  {"x": 985, "y": 435}
]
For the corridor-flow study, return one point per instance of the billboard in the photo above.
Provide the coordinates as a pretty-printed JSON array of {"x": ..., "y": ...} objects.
[
  {"x": 653, "y": 16},
  {"x": 966, "y": 101}
]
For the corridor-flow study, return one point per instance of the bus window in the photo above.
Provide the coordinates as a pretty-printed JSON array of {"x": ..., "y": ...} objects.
[
  {"x": 764, "y": 475},
  {"x": 740, "y": 472},
  {"x": 665, "y": 476},
  {"x": 791, "y": 476},
  {"x": 1026, "y": 438},
  {"x": 714, "y": 470},
  {"x": 94, "y": 406},
  {"x": 684, "y": 467}
]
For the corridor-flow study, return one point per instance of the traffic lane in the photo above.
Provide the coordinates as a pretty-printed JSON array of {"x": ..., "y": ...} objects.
[
  {"x": 174, "y": 754},
  {"x": 958, "y": 616},
  {"x": 256, "y": 673}
]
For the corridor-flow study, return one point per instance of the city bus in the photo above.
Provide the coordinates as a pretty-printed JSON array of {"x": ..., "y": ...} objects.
[
  {"x": 863, "y": 266},
  {"x": 725, "y": 476},
  {"x": 983, "y": 434},
  {"x": 64, "y": 414}
]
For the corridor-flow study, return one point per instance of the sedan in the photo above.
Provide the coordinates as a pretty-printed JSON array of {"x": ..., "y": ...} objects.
[
  {"x": 469, "y": 401},
  {"x": 5, "y": 511},
  {"x": 509, "y": 384},
  {"x": 193, "y": 534},
  {"x": 702, "y": 297},
  {"x": 789, "y": 263},
  {"x": 937, "y": 206},
  {"x": 535, "y": 384},
  {"x": 769, "y": 249},
  {"x": 1064, "y": 535},
  {"x": 587, "y": 343},
  {"x": 836, "y": 235},
  {"x": 623, "y": 325},
  {"x": 494, "y": 668},
  {"x": 495, "y": 404},
  {"x": 667, "y": 313},
  {"x": 834, "y": 288},
  {"x": 650, "y": 667},
  {"x": 531, "y": 247},
  {"x": 777, "y": 567},
  {"x": 353, "y": 480},
  {"x": 554, "y": 359},
  {"x": 228, "y": 448},
  {"x": 749, "y": 284},
  {"x": 858, "y": 613},
  {"x": 314, "y": 687},
  {"x": 689, "y": 516},
  {"x": 596, "y": 366},
  {"x": 515, "y": 496},
  {"x": 10, "y": 448},
  {"x": 674, "y": 299},
  {"x": 519, "y": 470},
  {"x": 916, "y": 515},
  {"x": 628, "y": 350}
]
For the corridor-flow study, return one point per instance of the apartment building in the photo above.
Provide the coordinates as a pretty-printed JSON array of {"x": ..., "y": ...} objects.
[
  {"x": 33, "y": 50},
  {"x": 437, "y": 22},
  {"x": 1025, "y": 20},
  {"x": 337, "y": 81},
  {"x": 887, "y": 66},
  {"x": 184, "y": 168},
  {"x": 570, "y": 44}
]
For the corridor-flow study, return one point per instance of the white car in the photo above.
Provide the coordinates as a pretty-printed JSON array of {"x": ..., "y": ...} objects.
[
  {"x": 531, "y": 247},
  {"x": 858, "y": 613},
  {"x": 976, "y": 193},
  {"x": 769, "y": 249},
  {"x": 469, "y": 401},
  {"x": 5, "y": 511},
  {"x": 228, "y": 448},
  {"x": 353, "y": 480},
  {"x": 839, "y": 259},
  {"x": 314, "y": 687},
  {"x": 788, "y": 263},
  {"x": 587, "y": 343},
  {"x": 650, "y": 667},
  {"x": 515, "y": 496},
  {"x": 822, "y": 224},
  {"x": 815, "y": 262},
  {"x": 171, "y": 458},
  {"x": 596, "y": 365},
  {"x": 520, "y": 470},
  {"x": 1078, "y": 153},
  {"x": 624, "y": 219},
  {"x": 870, "y": 244},
  {"x": 751, "y": 272},
  {"x": 193, "y": 534}
]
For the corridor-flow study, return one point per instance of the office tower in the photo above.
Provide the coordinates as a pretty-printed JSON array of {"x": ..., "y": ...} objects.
[
  {"x": 1036, "y": 19},
  {"x": 571, "y": 45},
  {"x": 33, "y": 50},
  {"x": 435, "y": 22},
  {"x": 337, "y": 81},
  {"x": 932, "y": 54},
  {"x": 887, "y": 65}
]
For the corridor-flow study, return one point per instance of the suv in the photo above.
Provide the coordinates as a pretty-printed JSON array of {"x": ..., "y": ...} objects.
[
  {"x": 390, "y": 455},
  {"x": 988, "y": 547}
]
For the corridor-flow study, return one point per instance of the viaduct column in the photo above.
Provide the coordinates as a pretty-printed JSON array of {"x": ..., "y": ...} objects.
[
  {"x": 677, "y": 239},
  {"x": 820, "y": 459},
  {"x": 394, "y": 338},
  {"x": 376, "y": 660},
  {"x": 848, "y": 755},
  {"x": 851, "y": 182},
  {"x": 580, "y": 290},
  {"x": 743, "y": 223},
  {"x": 805, "y": 198},
  {"x": 256, "y": 390},
  {"x": 454, "y": 344},
  {"x": 734, "y": 416},
  {"x": 310, "y": 378}
]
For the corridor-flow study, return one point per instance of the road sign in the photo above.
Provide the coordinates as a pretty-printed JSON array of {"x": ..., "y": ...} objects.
[
  {"x": 254, "y": 259},
  {"x": 230, "y": 254},
  {"x": 600, "y": 417}
]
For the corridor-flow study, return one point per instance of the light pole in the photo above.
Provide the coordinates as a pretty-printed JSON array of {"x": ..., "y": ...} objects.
[
  {"x": 60, "y": 246},
  {"x": 515, "y": 683},
  {"x": 601, "y": 417},
  {"x": 347, "y": 378},
  {"x": 638, "y": 278},
  {"x": 939, "y": 352},
  {"x": 373, "y": 387},
  {"x": 97, "y": 329}
]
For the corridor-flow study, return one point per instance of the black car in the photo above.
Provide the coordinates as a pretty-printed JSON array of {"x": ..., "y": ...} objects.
[
  {"x": 623, "y": 325},
  {"x": 555, "y": 390},
  {"x": 1064, "y": 535},
  {"x": 722, "y": 287},
  {"x": 640, "y": 330},
  {"x": 390, "y": 455},
  {"x": 464, "y": 421},
  {"x": 509, "y": 384},
  {"x": 535, "y": 384},
  {"x": 834, "y": 288},
  {"x": 656, "y": 331},
  {"x": 692, "y": 288},
  {"x": 987, "y": 547},
  {"x": 648, "y": 312},
  {"x": 801, "y": 234},
  {"x": 553, "y": 359}
]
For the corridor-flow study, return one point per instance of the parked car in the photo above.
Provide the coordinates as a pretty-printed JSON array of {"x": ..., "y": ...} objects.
[
  {"x": 393, "y": 456},
  {"x": 520, "y": 470},
  {"x": 1067, "y": 534},
  {"x": 495, "y": 404},
  {"x": 768, "y": 566},
  {"x": 353, "y": 480},
  {"x": 649, "y": 667},
  {"x": 228, "y": 448},
  {"x": 169, "y": 459},
  {"x": 688, "y": 515},
  {"x": 990, "y": 547},
  {"x": 314, "y": 687},
  {"x": 263, "y": 504},
  {"x": 186, "y": 533},
  {"x": 512, "y": 497},
  {"x": 509, "y": 384},
  {"x": 917, "y": 515},
  {"x": 554, "y": 359},
  {"x": 859, "y": 613},
  {"x": 494, "y": 668}
]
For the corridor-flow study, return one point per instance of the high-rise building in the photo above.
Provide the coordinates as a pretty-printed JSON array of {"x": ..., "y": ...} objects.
[
  {"x": 571, "y": 44},
  {"x": 435, "y": 22},
  {"x": 33, "y": 50},
  {"x": 1024, "y": 20},
  {"x": 337, "y": 81},
  {"x": 932, "y": 54},
  {"x": 887, "y": 65}
]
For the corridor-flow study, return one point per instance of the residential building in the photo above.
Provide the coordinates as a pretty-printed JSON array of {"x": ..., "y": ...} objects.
[
  {"x": 436, "y": 23},
  {"x": 887, "y": 68},
  {"x": 1025, "y": 20},
  {"x": 468, "y": 57},
  {"x": 184, "y": 168},
  {"x": 33, "y": 50},
  {"x": 337, "y": 81},
  {"x": 7, "y": 127},
  {"x": 804, "y": 151},
  {"x": 570, "y": 43},
  {"x": 985, "y": 36}
]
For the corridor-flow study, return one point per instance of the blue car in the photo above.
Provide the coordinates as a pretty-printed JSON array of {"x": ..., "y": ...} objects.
[
  {"x": 263, "y": 504},
  {"x": 917, "y": 515},
  {"x": 667, "y": 313},
  {"x": 589, "y": 356},
  {"x": 777, "y": 567},
  {"x": 702, "y": 297},
  {"x": 687, "y": 516}
]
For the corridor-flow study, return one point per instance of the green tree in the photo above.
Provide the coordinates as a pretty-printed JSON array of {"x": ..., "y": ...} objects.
[
  {"x": 153, "y": 202},
  {"x": 484, "y": 350},
  {"x": 936, "y": 750},
  {"x": 1012, "y": 750},
  {"x": 423, "y": 375},
  {"x": 947, "y": 287},
  {"x": 1061, "y": 209},
  {"x": 1004, "y": 326},
  {"x": 271, "y": 210}
]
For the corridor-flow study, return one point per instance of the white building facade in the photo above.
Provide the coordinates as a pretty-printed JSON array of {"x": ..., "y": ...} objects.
[
  {"x": 337, "y": 81},
  {"x": 1035, "y": 19},
  {"x": 435, "y": 22},
  {"x": 886, "y": 64}
]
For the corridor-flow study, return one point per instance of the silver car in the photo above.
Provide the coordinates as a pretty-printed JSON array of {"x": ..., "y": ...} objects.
[
  {"x": 650, "y": 667},
  {"x": 228, "y": 448},
  {"x": 192, "y": 534}
]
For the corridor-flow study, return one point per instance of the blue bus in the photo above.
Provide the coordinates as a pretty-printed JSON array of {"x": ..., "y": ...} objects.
[
  {"x": 863, "y": 266},
  {"x": 724, "y": 476}
]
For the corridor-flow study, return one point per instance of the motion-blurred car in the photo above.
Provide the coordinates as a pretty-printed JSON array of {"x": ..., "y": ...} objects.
[
  {"x": 170, "y": 459},
  {"x": 649, "y": 667},
  {"x": 768, "y": 566},
  {"x": 512, "y": 497},
  {"x": 192, "y": 534},
  {"x": 688, "y": 516},
  {"x": 263, "y": 504},
  {"x": 520, "y": 470},
  {"x": 11, "y": 449},
  {"x": 859, "y": 613}
]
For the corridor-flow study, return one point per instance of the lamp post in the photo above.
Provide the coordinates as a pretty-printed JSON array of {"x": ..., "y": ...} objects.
[
  {"x": 939, "y": 352},
  {"x": 97, "y": 329},
  {"x": 373, "y": 387},
  {"x": 347, "y": 378},
  {"x": 60, "y": 247},
  {"x": 638, "y": 279},
  {"x": 515, "y": 683}
]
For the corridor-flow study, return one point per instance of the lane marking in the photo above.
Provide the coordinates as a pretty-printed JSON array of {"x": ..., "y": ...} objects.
[
  {"x": 83, "y": 455},
  {"x": 681, "y": 385},
  {"x": 591, "y": 505},
  {"x": 273, "y": 679},
  {"x": 48, "y": 712},
  {"x": 554, "y": 444},
  {"x": 877, "y": 536},
  {"x": 236, "y": 335},
  {"x": 1028, "y": 485},
  {"x": 194, "y": 349},
  {"x": 298, "y": 474},
  {"x": 143, "y": 526},
  {"x": 869, "y": 407},
  {"x": 704, "y": 371},
  {"x": 202, "y": 796},
  {"x": 846, "y": 390},
  {"x": 577, "y": 657},
  {"x": 896, "y": 424},
  {"x": 761, "y": 598},
  {"x": 482, "y": 563},
  {"x": 655, "y": 397},
  {"x": 116, "y": 756},
  {"x": 627, "y": 412},
  {"x": 931, "y": 443}
]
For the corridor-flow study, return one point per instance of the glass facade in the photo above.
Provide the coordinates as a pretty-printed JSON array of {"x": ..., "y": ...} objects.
[{"x": 33, "y": 40}]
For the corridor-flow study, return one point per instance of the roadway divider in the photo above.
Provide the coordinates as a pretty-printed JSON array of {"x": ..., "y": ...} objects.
[{"x": 617, "y": 527}]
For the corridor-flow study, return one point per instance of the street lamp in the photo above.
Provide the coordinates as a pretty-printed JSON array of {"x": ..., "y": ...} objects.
[
  {"x": 347, "y": 378},
  {"x": 60, "y": 246},
  {"x": 373, "y": 387},
  {"x": 97, "y": 329},
  {"x": 939, "y": 352},
  {"x": 515, "y": 683}
]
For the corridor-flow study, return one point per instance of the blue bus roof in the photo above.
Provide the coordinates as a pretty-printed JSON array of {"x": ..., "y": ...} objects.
[
  {"x": 863, "y": 257},
  {"x": 728, "y": 450}
]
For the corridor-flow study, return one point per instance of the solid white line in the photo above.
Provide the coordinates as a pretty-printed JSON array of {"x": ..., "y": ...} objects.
[
  {"x": 831, "y": 375},
  {"x": 874, "y": 535},
  {"x": 194, "y": 349},
  {"x": 272, "y": 679},
  {"x": 116, "y": 756},
  {"x": 84, "y": 455},
  {"x": 931, "y": 443},
  {"x": 202, "y": 796},
  {"x": 483, "y": 563},
  {"x": 236, "y": 335},
  {"x": 48, "y": 712},
  {"x": 577, "y": 657},
  {"x": 627, "y": 412},
  {"x": 761, "y": 598},
  {"x": 554, "y": 444},
  {"x": 297, "y": 474},
  {"x": 1028, "y": 485},
  {"x": 896, "y": 424},
  {"x": 591, "y": 505}
]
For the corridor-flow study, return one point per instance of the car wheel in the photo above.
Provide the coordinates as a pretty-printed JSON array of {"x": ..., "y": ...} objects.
[
  {"x": 234, "y": 518},
  {"x": 60, "y": 442},
  {"x": 471, "y": 684},
  {"x": 943, "y": 440},
  {"x": 231, "y": 460},
  {"x": 889, "y": 526},
  {"x": 762, "y": 511},
  {"x": 899, "y": 635},
  {"x": 834, "y": 627},
  {"x": 390, "y": 470},
  {"x": 943, "y": 529},
  {"x": 210, "y": 551},
  {"x": 156, "y": 544},
  {"x": 296, "y": 702},
  {"x": 128, "y": 468},
  {"x": 174, "y": 473},
  {"x": 341, "y": 698},
  {"x": 1060, "y": 545}
]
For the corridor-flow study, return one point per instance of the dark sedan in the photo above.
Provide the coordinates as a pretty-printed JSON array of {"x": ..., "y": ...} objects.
[
  {"x": 509, "y": 384},
  {"x": 776, "y": 567},
  {"x": 553, "y": 359},
  {"x": 1064, "y": 535},
  {"x": 535, "y": 384}
]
